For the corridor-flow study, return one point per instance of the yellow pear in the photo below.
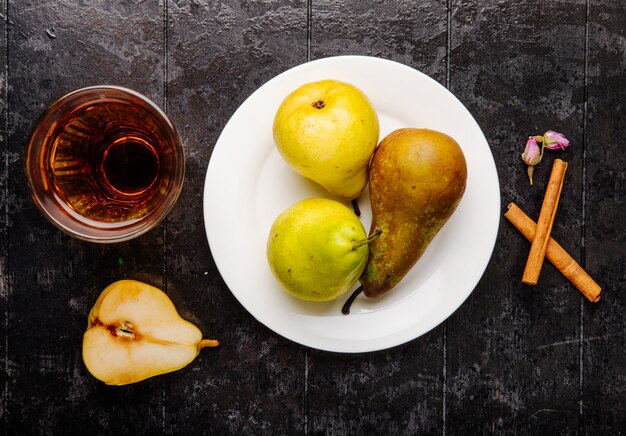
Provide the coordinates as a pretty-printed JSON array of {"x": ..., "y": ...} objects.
[
  {"x": 327, "y": 131},
  {"x": 134, "y": 332},
  {"x": 317, "y": 249}
]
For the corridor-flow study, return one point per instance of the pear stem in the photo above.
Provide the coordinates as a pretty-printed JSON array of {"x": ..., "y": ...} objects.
[
  {"x": 368, "y": 240},
  {"x": 355, "y": 207},
  {"x": 207, "y": 343},
  {"x": 346, "y": 307}
]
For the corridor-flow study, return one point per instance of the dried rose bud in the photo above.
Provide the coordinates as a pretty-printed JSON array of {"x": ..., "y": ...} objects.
[
  {"x": 531, "y": 156},
  {"x": 555, "y": 141},
  {"x": 532, "y": 152}
]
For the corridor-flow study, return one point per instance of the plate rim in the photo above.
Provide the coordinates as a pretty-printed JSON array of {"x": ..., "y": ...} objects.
[{"x": 395, "y": 340}]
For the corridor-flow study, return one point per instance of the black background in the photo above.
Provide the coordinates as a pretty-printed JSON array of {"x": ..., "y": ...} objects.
[{"x": 512, "y": 359}]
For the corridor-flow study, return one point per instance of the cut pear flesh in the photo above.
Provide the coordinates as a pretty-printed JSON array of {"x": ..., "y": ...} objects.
[{"x": 135, "y": 332}]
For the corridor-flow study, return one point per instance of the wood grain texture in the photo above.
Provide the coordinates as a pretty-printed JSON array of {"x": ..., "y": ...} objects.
[
  {"x": 604, "y": 342},
  {"x": 56, "y": 47},
  {"x": 4, "y": 209},
  {"x": 399, "y": 390},
  {"x": 413, "y": 33},
  {"x": 219, "y": 54},
  {"x": 513, "y": 358}
]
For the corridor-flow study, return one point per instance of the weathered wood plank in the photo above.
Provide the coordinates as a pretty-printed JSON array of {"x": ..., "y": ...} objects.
[
  {"x": 55, "y": 47},
  {"x": 4, "y": 178},
  {"x": 398, "y": 390},
  {"x": 218, "y": 54},
  {"x": 604, "y": 345},
  {"x": 512, "y": 359},
  {"x": 513, "y": 355}
]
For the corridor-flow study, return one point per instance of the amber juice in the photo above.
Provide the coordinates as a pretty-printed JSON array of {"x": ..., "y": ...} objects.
[{"x": 105, "y": 159}]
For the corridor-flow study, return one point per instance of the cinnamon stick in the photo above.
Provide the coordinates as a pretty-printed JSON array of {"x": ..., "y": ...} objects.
[
  {"x": 556, "y": 255},
  {"x": 544, "y": 223}
]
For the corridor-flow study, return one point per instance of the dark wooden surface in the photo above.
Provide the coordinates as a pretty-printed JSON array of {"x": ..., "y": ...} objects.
[{"x": 511, "y": 360}]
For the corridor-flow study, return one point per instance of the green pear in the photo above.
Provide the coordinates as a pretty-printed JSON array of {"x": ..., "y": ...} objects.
[
  {"x": 317, "y": 249},
  {"x": 327, "y": 131},
  {"x": 417, "y": 179},
  {"x": 134, "y": 332}
]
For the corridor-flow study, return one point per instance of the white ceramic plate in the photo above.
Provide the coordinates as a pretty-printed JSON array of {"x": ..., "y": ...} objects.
[{"x": 248, "y": 185}]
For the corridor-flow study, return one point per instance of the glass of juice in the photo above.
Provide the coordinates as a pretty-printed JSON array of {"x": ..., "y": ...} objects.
[{"x": 104, "y": 164}]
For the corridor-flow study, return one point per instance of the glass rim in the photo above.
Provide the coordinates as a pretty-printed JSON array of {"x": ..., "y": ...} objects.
[{"x": 47, "y": 202}]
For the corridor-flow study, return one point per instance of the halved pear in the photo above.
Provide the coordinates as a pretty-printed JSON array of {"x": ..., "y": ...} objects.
[{"x": 134, "y": 332}]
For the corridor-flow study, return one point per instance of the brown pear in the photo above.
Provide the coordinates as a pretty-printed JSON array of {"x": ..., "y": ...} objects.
[{"x": 417, "y": 178}]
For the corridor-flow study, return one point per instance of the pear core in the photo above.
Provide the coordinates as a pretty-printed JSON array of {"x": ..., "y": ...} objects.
[{"x": 134, "y": 332}]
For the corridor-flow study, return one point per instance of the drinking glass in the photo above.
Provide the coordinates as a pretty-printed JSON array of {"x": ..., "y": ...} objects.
[{"x": 104, "y": 164}]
